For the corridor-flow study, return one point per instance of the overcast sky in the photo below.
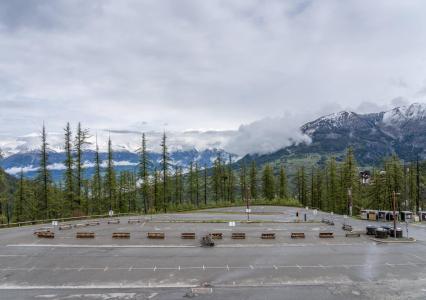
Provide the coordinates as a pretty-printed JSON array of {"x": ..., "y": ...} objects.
[{"x": 181, "y": 65}]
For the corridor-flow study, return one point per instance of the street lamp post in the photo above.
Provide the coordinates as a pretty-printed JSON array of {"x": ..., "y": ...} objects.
[
  {"x": 247, "y": 205},
  {"x": 394, "y": 213}
]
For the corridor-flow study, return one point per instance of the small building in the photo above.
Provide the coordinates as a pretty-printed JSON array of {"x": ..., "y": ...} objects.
[
  {"x": 381, "y": 215},
  {"x": 389, "y": 215},
  {"x": 368, "y": 214},
  {"x": 372, "y": 215}
]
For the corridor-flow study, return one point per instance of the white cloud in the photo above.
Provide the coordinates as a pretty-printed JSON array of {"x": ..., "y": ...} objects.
[{"x": 204, "y": 65}]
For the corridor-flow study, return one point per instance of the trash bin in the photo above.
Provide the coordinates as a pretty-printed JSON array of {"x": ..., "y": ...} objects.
[
  {"x": 381, "y": 233},
  {"x": 371, "y": 230},
  {"x": 398, "y": 233},
  {"x": 388, "y": 228}
]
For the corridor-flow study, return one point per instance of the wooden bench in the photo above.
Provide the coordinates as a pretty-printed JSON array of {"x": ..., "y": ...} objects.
[
  {"x": 155, "y": 235},
  {"x": 43, "y": 229},
  {"x": 297, "y": 235},
  {"x": 65, "y": 226},
  {"x": 188, "y": 235},
  {"x": 353, "y": 234},
  {"x": 114, "y": 221},
  {"x": 133, "y": 221},
  {"x": 267, "y": 236},
  {"x": 121, "y": 235},
  {"x": 325, "y": 235},
  {"x": 46, "y": 234},
  {"x": 85, "y": 235},
  {"x": 217, "y": 235},
  {"x": 238, "y": 236}
]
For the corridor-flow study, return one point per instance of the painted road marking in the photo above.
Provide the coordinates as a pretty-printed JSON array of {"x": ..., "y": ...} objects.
[{"x": 204, "y": 267}]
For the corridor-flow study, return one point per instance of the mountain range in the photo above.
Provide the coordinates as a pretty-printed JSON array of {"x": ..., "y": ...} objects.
[{"x": 373, "y": 136}]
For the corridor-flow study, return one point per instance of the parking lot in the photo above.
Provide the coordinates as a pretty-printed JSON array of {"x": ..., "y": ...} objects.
[{"x": 172, "y": 268}]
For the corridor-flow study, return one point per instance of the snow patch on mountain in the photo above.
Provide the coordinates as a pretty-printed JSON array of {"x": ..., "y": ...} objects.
[{"x": 121, "y": 141}]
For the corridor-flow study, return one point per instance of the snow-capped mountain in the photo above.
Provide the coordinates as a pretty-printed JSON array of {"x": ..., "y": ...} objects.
[
  {"x": 22, "y": 153},
  {"x": 373, "y": 136},
  {"x": 121, "y": 141}
]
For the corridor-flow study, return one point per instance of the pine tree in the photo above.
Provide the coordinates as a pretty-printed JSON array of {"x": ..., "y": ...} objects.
[
  {"x": 243, "y": 180},
  {"x": 156, "y": 189},
  {"x": 99, "y": 206},
  {"x": 3, "y": 192},
  {"x": 20, "y": 200},
  {"x": 412, "y": 185},
  {"x": 217, "y": 176},
  {"x": 319, "y": 203},
  {"x": 180, "y": 184},
  {"x": 69, "y": 176},
  {"x": 253, "y": 180},
  {"x": 332, "y": 188},
  {"x": 394, "y": 179},
  {"x": 191, "y": 182},
  {"x": 268, "y": 183},
  {"x": 81, "y": 138},
  {"x": 231, "y": 181},
  {"x": 43, "y": 178},
  {"x": 110, "y": 181},
  {"x": 205, "y": 184},
  {"x": 177, "y": 188},
  {"x": 197, "y": 184},
  {"x": 144, "y": 174},
  {"x": 349, "y": 181},
  {"x": 164, "y": 165},
  {"x": 301, "y": 186},
  {"x": 283, "y": 193}
]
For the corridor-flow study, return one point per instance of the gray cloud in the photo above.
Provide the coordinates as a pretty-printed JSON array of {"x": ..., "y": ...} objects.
[
  {"x": 202, "y": 65},
  {"x": 267, "y": 135}
]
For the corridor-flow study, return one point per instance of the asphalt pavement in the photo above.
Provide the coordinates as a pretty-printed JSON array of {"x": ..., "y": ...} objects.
[{"x": 172, "y": 268}]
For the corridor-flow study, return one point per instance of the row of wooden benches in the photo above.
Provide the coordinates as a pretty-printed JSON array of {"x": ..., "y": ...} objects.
[{"x": 191, "y": 235}]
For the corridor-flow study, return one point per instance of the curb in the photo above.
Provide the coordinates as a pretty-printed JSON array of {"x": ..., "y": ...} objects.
[{"x": 386, "y": 241}]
